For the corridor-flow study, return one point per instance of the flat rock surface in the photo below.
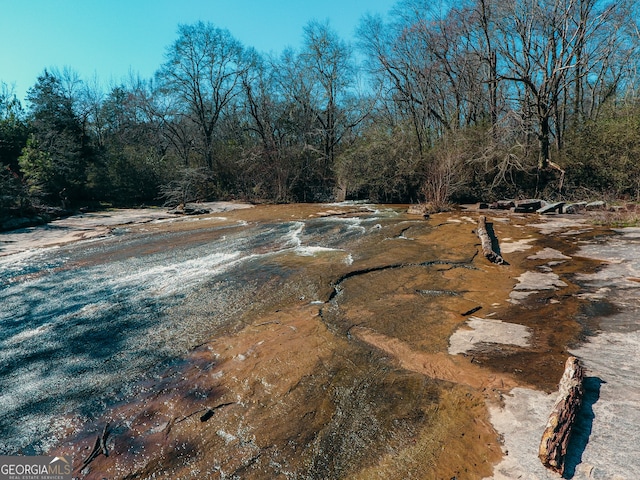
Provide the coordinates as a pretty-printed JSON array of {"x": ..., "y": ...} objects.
[
  {"x": 317, "y": 341},
  {"x": 604, "y": 442},
  {"x": 94, "y": 225},
  {"x": 482, "y": 330}
]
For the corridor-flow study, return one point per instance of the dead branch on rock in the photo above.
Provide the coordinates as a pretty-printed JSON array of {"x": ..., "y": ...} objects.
[
  {"x": 469, "y": 312},
  {"x": 556, "y": 436},
  {"x": 100, "y": 446},
  {"x": 487, "y": 244},
  {"x": 209, "y": 413}
]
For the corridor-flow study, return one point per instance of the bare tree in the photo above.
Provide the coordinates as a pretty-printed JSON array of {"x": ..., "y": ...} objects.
[
  {"x": 272, "y": 164},
  {"x": 202, "y": 71},
  {"x": 548, "y": 45},
  {"x": 329, "y": 64}
]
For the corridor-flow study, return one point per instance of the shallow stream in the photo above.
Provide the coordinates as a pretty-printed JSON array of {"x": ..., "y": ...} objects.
[{"x": 82, "y": 322}]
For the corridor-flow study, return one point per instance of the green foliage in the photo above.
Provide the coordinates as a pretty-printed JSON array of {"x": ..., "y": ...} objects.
[
  {"x": 55, "y": 158},
  {"x": 14, "y": 199},
  {"x": 129, "y": 175},
  {"x": 13, "y": 130},
  {"x": 604, "y": 155},
  {"x": 38, "y": 169},
  {"x": 382, "y": 165}
]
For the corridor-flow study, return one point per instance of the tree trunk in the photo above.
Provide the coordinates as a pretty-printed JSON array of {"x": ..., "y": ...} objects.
[
  {"x": 493, "y": 90},
  {"x": 543, "y": 143},
  {"x": 556, "y": 436}
]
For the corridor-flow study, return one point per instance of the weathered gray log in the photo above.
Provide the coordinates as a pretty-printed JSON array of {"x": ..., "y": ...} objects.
[
  {"x": 485, "y": 241},
  {"x": 551, "y": 207},
  {"x": 556, "y": 436},
  {"x": 597, "y": 205}
]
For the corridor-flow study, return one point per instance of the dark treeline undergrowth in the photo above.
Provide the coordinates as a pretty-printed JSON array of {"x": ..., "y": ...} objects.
[{"x": 439, "y": 103}]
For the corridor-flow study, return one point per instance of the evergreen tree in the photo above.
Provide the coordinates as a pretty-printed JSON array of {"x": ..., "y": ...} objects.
[{"x": 54, "y": 161}]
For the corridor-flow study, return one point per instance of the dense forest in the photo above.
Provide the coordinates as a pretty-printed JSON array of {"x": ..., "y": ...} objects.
[{"x": 439, "y": 103}]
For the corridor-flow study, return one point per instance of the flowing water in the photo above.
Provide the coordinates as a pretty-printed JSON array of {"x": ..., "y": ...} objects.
[{"x": 81, "y": 323}]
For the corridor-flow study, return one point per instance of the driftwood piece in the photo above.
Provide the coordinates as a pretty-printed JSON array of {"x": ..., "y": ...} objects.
[
  {"x": 486, "y": 242},
  {"x": 469, "y": 312},
  {"x": 100, "y": 446},
  {"x": 597, "y": 205},
  {"x": 556, "y": 436}
]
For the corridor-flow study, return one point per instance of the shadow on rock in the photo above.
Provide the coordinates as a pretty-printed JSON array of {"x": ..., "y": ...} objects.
[{"x": 583, "y": 426}]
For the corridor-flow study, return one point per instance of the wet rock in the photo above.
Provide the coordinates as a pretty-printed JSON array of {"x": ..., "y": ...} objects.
[
  {"x": 597, "y": 205},
  {"x": 551, "y": 208},
  {"x": 574, "y": 207},
  {"x": 189, "y": 209},
  {"x": 503, "y": 205},
  {"x": 379, "y": 402},
  {"x": 527, "y": 206},
  {"x": 424, "y": 209}
]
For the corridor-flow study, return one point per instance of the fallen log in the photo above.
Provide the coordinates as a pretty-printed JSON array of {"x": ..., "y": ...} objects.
[
  {"x": 556, "y": 436},
  {"x": 551, "y": 207},
  {"x": 486, "y": 243}
]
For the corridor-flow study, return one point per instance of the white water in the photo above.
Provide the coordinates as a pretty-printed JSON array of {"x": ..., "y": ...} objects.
[{"x": 77, "y": 336}]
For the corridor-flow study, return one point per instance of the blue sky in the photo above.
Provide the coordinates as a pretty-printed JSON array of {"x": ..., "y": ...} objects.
[{"x": 108, "y": 39}]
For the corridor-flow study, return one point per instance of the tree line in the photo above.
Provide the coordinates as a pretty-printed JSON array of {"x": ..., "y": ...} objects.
[{"x": 438, "y": 102}]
